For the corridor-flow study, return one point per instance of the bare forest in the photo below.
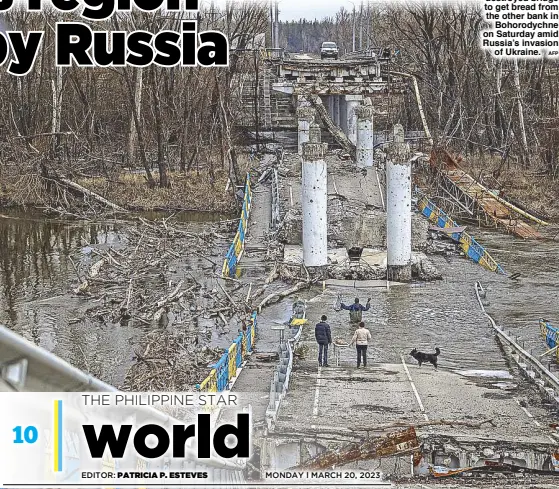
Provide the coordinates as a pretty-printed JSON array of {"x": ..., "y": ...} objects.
[
  {"x": 473, "y": 102},
  {"x": 163, "y": 137},
  {"x": 152, "y": 137}
]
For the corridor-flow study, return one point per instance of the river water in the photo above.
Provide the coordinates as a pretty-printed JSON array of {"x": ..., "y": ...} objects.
[
  {"x": 37, "y": 272},
  {"x": 518, "y": 305},
  {"x": 446, "y": 313}
]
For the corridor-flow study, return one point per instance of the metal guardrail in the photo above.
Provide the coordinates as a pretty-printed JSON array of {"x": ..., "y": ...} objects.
[
  {"x": 226, "y": 369},
  {"x": 276, "y": 217},
  {"x": 280, "y": 383},
  {"x": 457, "y": 195},
  {"x": 550, "y": 335},
  {"x": 273, "y": 54},
  {"x": 531, "y": 366},
  {"x": 237, "y": 248},
  {"x": 491, "y": 205},
  {"x": 469, "y": 245},
  {"x": 282, "y": 375},
  {"x": 26, "y": 367},
  {"x": 379, "y": 53}
]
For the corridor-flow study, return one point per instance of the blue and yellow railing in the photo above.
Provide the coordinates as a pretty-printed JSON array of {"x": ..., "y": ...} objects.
[
  {"x": 550, "y": 335},
  {"x": 237, "y": 248},
  {"x": 230, "y": 362},
  {"x": 469, "y": 245}
]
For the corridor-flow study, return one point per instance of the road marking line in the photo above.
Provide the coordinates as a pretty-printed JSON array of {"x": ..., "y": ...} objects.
[
  {"x": 551, "y": 439},
  {"x": 526, "y": 411},
  {"x": 529, "y": 414},
  {"x": 414, "y": 389},
  {"x": 316, "y": 394}
]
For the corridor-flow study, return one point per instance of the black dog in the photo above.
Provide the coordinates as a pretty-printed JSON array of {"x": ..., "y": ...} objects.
[{"x": 425, "y": 357}]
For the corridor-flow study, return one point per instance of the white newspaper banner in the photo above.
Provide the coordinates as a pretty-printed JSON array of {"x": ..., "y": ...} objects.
[{"x": 64, "y": 439}]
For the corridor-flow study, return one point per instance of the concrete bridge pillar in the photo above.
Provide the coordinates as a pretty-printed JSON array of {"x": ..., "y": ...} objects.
[
  {"x": 315, "y": 201},
  {"x": 305, "y": 116},
  {"x": 352, "y": 102},
  {"x": 398, "y": 208},
  {"x": 315, "y": 133},
  {"x": 336, "y": 110},
  {"x": 330, "y": 100},
  {"x": 343, "y": 114},
  {"x": 365, "y": 142}
]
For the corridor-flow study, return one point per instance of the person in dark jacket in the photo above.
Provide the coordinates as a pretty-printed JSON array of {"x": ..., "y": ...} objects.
[
  {"x": 355, "y": 310},
  {"x": 323, "y": 338}
]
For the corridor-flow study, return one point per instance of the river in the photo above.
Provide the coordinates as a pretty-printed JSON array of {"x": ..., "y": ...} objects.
[
  {"x": 38, "y": 266},
  {"x": 40, "y": 257},
  {"x": 445, "y": 313}
]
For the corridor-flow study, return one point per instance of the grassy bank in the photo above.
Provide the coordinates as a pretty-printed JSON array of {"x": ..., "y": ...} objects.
[
  {"x": 530, "y": 186},
  {"x": 189, "y": 191}
]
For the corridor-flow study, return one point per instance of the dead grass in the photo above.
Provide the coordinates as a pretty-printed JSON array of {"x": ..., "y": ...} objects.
[
  {"x": 21, "y": 190},
  {"x": 188, "y": 191},
  {"x": 530, "y": 186}
]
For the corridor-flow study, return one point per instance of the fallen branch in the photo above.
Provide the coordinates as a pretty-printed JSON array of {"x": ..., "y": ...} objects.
[
  {"x": 235, "y": 305},
  {"x": 553, "y": 350},
  {"x": 273, "y": 274},
  {"x": 91, "y": 194},
  {"x": 248, "y": 293},
  {"x": 282, "y": 295},
  {"x": 205, "y": 258},
  {"x": 173, "y": 297}
]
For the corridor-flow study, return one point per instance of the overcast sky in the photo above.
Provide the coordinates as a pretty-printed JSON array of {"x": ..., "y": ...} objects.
[
  {"x": 318, "y": 9},
  {"x": 312, "y": 9},
  {"x": 308, "y": 9}
]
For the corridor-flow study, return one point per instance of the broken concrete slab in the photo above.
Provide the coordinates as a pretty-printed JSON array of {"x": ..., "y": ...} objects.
[
  {"x": 356, "y": 201},
  {"x": 361, "y": 284},
  {"x": 370, "y": 266}
]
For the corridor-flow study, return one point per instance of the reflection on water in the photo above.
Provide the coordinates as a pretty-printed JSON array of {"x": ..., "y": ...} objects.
[
  {"x": 189, "y": 216},
  {"x": 35, "y": 259},
  {"x": 39, "y": 265},
  {"x": 441, "y": 314},
  {"x": 518, "y": 305},
  {"x": 37, "y": 269}
]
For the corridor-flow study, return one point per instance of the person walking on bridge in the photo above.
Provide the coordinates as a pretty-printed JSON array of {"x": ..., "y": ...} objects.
[
  {"x": 356, "y": 310},
  {"x": 361, "y": 339},
  {"x": 323, "y": 338}
]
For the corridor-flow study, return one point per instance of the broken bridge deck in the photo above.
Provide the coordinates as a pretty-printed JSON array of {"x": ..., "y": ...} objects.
[
  {"x": 497, "y": 211},
  {"x": 338, "y": 405}
]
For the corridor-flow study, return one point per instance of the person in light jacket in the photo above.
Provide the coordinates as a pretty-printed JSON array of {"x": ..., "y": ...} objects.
[{"x": 361, "y": 339}]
